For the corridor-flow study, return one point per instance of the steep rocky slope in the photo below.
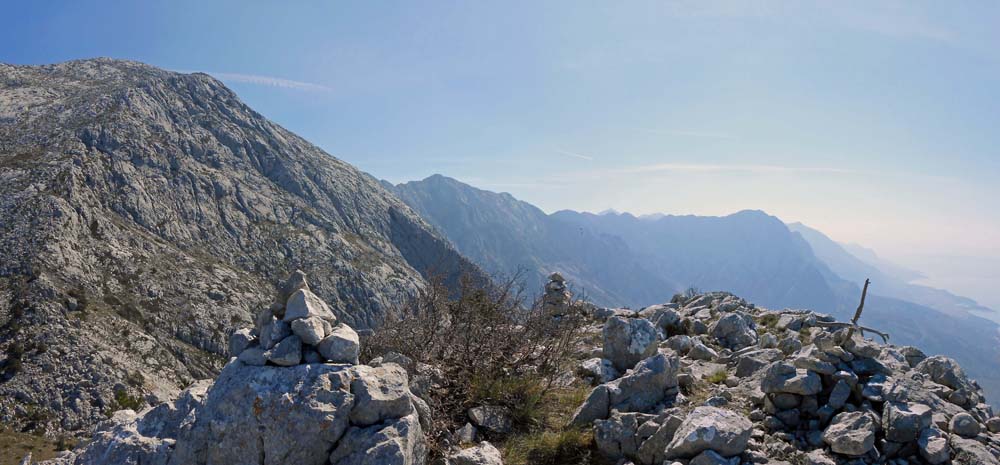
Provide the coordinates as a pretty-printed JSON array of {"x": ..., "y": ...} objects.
[{"x": 144, "y": 213}]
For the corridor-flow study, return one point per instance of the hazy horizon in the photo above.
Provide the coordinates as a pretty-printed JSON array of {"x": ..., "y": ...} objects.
[{"x": 874, "y": 123}]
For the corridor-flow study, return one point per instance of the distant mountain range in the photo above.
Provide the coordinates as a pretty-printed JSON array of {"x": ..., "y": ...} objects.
[{"x": 617, "y": 259}]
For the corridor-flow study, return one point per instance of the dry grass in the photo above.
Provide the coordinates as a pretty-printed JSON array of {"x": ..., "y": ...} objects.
[{"x": 14, "y": 446}]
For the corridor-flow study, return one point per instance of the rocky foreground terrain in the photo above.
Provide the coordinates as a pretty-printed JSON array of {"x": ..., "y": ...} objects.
[
  {"x": 703, "y": 380},
  {"x": 145, "y": 214}
]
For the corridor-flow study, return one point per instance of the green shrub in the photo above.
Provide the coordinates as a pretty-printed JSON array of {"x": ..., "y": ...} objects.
[
  {"x": 123, "y": 400},
  {"x": 718, "y": 376},
  {"x": 569, "y": 446}
]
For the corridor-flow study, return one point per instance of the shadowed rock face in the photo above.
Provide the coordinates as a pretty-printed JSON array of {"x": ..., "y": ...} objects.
[{"x": 143, "y": 213}]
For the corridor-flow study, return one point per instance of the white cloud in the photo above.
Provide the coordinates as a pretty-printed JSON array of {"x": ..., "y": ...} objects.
[
  {"x": 269, "y": 81},
  {"x": 575, "y": 155}
]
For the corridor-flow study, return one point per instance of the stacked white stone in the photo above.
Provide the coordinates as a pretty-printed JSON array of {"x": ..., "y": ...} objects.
[{"x": 298, "y": 328}]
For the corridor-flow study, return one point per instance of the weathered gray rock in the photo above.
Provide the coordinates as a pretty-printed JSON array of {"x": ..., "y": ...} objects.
[
  {"x": 296, "y": 280},
  {"x": 240, "y": 340},
  {"x": 862, "y": 347},
  {"x": 618, "y": 436},
  {"x": 783, "y": 377},
  {"x": 118, "y": 441},
  {"x": 270, "y": 415},
  {"x": 964, "y": 425},
  {"x": 700, "y": 351},
  {"x": 491, "y": 418},
  {"x": 482, "y": 454},
  {"x": 628, "y": 340},
  {"x": 341, "y": 345},
  {"x": 654, "y": 448},
  {"x": 735, "y": 331},
  {"x": 933, "y": 444},
  {"x": 311, "y": 329},
  {"x": 380, "y": 393},
  {"x": 395, "y": 442},
  {"x": 819, "y": 457},
  {"x": 465, "y": 435},
  {"x": 711, "y": 457},
  {"x": 288, "y": 352},
  {"x": 680, "y": 343},
  {"x": 945, "y": 371},
  {"x": 595, "y": 407},
  {"x": 303, "y": 304},
  {"x": 903, "y": 422},
  {"x": 254, "y": 356},
  {"x": 274, "y": 332},
  {"x": 851, "y": 433},
  {"x": 970, "y": 452},
  {"x": 710, "y": 428},
  {"x": 601, "y": 370},
  {"x": 839, "y": 395},
  {"x": 645, "y": 385},
  {"x": 993, "y": 425}
]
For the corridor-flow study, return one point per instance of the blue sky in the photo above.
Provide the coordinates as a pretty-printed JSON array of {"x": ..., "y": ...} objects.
[{"x": 876, "y": 122}]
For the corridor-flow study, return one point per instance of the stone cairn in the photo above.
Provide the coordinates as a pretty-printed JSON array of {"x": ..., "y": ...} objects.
[
  {"x": 557, "y": 298},
  {"x": 297, "y": 328}
]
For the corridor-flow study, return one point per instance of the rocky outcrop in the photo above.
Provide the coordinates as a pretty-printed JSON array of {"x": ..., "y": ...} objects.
[
  {"x": 279, "y": 411},
  {"x": 759, "y": 386}
]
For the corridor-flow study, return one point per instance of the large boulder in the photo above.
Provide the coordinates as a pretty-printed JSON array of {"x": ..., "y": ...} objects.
[
  {"x": 640, "y": 389},
  {"x": 903, "y": 422},
  {"x": 269, "y": 415},
  {"x": 380, "y": 393},
  {"x": 311, "y": 330},
  {"x": 947, "y": 372},
  {"x": 784, "y": 377},
  {"x": 308, "y": 414},
  {"x": 971, "y": 452},
  {"x": 710, "y": 428},
  {"x": 964, "y": 425},
  {"x": 341, "y": 345},
  {"x": 851, "y": 433},
  {"x": 288, "y": 352},
  {"x": 396, "y": 442},
  {"x": 645, "y": 385},
  {"x": 735, "y": 331},
  {"x": 303, "y": 304},
  {"x": 627, "y": 341},
  {"x": 933, "y": 446}
]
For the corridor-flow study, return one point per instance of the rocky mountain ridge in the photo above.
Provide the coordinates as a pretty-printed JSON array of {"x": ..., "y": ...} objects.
[
  {"x": 146, "y": 214},
  {"x": 618, "y": 259},
  {"x": 705, "y": 379}
]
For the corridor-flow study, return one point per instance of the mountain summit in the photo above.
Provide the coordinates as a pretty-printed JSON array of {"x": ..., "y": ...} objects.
[{"x": 146, "y": 212}]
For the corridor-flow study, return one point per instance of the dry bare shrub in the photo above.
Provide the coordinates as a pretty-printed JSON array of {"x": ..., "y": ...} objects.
[{"x": 492, "y": 346}]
